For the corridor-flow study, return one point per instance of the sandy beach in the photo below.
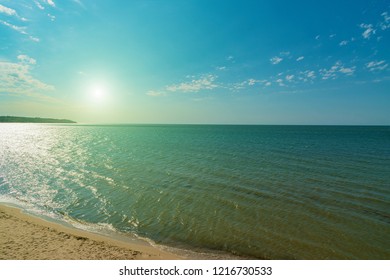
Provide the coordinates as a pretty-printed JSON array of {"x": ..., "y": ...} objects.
[{"x": 25, "y": 237}]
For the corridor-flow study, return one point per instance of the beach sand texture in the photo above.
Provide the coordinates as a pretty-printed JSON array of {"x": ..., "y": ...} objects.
[{"x": 25, "y": 237}]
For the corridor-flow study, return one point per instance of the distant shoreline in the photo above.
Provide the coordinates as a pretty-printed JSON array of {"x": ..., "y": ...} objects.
[{"x": 14, "y": 119}]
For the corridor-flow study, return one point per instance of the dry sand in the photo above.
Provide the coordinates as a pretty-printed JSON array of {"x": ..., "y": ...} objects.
[{"x": 25, "y": 237}]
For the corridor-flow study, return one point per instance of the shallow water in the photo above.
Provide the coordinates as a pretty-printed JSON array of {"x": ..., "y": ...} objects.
[{"x": 279, "y": 192}]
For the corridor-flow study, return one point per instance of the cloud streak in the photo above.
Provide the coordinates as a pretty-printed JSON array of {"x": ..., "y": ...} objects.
[
  {"x": 368, "y": 30},
  {"x": 205, "y": 82},
  {"x": 16, "y": 78},
  {"x": 338, "y": 67},
  {"x": 377, "y": 65},
  {"x": 276, "y": 60},
  {"x": 7, "y": 11},
  {"x": 51, "y": 3},
  {"x": 20, "y": 29}
]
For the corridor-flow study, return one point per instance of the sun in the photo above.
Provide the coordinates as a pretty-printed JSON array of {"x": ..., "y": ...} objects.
[{"x": 98, "y": 93}]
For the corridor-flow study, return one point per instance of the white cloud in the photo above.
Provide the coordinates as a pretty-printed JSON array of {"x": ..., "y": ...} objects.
[
  {"x": 289, "y": 78},
  {"x": 330, "y": 73},
  {"x": 268, "y": 84},
  {"x": 52, "y": 18},
  {"x": 26, "y": 59},
  {"x": 205, "y": 82},
  {"x": 16, "y": 78},
  {"x": 48, "y": 2},
  {"x": 11, "y": 12},
  {"x": 386, "y": 21},
  {"x": 39, "y": 5},
  {"x": 252, "y": 82},
  {"x": 8, "y": 11},
  {"x": 279, "y": 58},
  {"x": 369, "y": 30},
  {"x": 276, "y": 60},
  {"x": 310, "y": 74},
  {"x": 338, "y": 67},
  {"x": 20, "y": 29},
  {"x": 51, "y": 3},
  {"x": 343, "y": 43},
  {"x": 332, "y": 36},
  {"x": 35, "y": 39},
  {"x": 230, "y": 58},
  {"x": 246, "y": 83},
  {"x": 238, "y": 86},
  {"x": 280, "y": 82},
  {"x": 155, "y": 93},
  {"x": 347, "y": 70},
  {"x": 377, "y": 65},
  {"x": 306, "y": 76},
  {"x": 78, "y": 2},
  {"x": 300, "y": 58},
  {"x": 221, "y": 68}
]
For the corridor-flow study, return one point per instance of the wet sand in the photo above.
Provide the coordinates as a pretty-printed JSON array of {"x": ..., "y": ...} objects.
[{"x": 26, "y": 237}]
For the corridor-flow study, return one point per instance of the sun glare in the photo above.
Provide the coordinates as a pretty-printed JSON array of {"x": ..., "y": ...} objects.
[{"x": 98, "y": 94}]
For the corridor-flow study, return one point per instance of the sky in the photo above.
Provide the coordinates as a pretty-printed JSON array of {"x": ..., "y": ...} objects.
[{"x": 197, "y": 61}]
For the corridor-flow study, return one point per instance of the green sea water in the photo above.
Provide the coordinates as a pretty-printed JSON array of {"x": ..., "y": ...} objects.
[{"x": 272, "y": 192}]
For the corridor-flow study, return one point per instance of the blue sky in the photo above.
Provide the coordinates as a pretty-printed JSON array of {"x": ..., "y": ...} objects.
[{"x": 239, "y": 62}]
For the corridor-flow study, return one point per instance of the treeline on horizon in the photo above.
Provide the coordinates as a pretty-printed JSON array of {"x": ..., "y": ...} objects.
[{"x": 13, "y": 119}]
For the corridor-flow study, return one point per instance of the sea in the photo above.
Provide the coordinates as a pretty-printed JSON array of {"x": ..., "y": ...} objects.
[{"x": 209, "y": 191}]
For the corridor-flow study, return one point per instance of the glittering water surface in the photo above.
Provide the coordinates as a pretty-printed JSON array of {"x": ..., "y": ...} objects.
[{"x": 301, "y": 192}]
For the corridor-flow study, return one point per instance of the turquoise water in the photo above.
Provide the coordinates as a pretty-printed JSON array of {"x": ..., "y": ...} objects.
[{"x": 278, "y": 192}]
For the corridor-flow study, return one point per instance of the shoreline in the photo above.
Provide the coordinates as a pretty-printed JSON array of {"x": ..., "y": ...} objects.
[{"x": 27, "y": 237}]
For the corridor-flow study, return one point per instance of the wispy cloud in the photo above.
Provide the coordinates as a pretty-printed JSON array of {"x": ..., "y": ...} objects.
[
  {"x": 230, "y": 58},
  {"x": 368, "y": 30},
  {"x": 252, "y": 82},
  {"x": 329, "y": 73},
  {"x": 386, "y": 21},
  {"x": 338, "y": 67},
  {"x": 7, "y": 11},
  {"x": 305, "y": 76},
  {"x": 246, "y": 83},
  {"x": 276, "y": 60},
  {"x": 35, "y": 39},
  {"x": 279, "y": 58},
  {"x": 205, "y": 82},
  {"x": 377, "y": 65},
  {"x": 343, "y": 43},
  {"x": 289, "y": 78},
  {"x": 51, "y": 3},
  {"x": 16, "y": 78},
  {"x": 39, "y": 5},
  {"x": 52, "y": 18},
  {"x": 300, "y": 58},
  {"x": 78, "y": 2},
  {"x": 347, "y": 70},
  {"x": 155, "y": 93},
  {"x": 280, "y": 82},
  {"x": 11, "y": 12},
  {"x": 20, "y": 29},
  {"x": 26, "y": 59}
]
